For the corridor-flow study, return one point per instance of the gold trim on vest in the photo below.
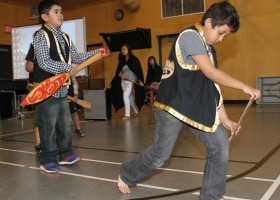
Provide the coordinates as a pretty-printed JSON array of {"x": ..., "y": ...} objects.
[{"x": 188, "y": 120}]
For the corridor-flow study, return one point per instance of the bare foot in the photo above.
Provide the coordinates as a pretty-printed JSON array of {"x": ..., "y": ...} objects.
[
  {"x": 125, "y": 118},
  {"x": 123, "y": 187}
]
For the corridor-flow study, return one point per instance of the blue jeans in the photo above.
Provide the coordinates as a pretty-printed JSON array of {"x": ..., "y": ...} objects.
[
  {"x": 54, "y": 123},
  {"x": 166, "y": 133}
]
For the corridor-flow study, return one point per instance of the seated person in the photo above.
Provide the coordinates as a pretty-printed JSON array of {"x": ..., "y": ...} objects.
[{"x": 153, "y": 78}]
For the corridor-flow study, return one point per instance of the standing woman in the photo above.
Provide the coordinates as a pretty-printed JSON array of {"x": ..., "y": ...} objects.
[
  {"x": 129, "y": 71},
  {"x": 153, "y": 78}
]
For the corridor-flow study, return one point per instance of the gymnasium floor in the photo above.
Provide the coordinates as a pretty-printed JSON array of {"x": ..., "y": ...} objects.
[{"x": 254, "y": 166}]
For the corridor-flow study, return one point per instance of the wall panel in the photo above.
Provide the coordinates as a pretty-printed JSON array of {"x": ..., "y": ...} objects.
[{"x": 252, "y": 51}]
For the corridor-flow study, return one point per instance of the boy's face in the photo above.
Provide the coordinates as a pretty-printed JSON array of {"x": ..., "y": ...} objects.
[
  {"x": 55, "y": 17},
  {"x": 216, "y": 34}
]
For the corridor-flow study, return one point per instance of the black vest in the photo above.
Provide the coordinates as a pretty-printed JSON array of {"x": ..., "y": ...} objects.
[
  {"x": 40, "y": 74},
  {"x": 188, "y": 94}
]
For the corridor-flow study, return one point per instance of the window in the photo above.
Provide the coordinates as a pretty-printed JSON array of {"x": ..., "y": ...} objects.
[{"x": 171, "y": 8}]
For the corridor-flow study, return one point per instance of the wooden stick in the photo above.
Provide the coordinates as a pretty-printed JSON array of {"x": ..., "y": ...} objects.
[
  {"x": 49, "y": 86},
  {"x": 241, "y": 118},
  {"x": 80, "y": 102},
  {"x": 135, "y": 82}
]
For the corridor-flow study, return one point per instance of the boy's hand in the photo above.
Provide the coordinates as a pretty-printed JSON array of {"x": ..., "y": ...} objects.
[
  {"x": 141, "y": 83},
  {"x": 254, "y": 93},
  {"x": 75, "y": 98},
  {"x": 105, "y": 52},
  {"x": 73, "y": 71},
  {"x": 232, "y": 126}
]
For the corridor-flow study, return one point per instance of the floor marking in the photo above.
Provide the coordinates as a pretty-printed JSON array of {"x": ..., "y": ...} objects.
[
  {"x": 117, "y": 163},
  {"x": 16, "y": 134},
  {"x": 112, "y": 180},
  {"x": 13, "y": 164},
  {"x": 266, "y": 196},
  {"x": 164, "y": 169},
  {"x": 28, "y": 152},
  {"x": 227, "y": 197},
  {"x": 272, "y": 189},
  {"x": 101, "y": 161},
  {"x": 234, "y": 198},
  {"x": 27, "y": 131},
  {"x": 178, "y": 170},
  {"x": 158, "y": 188},
  {"x": 259, "y": 179}
]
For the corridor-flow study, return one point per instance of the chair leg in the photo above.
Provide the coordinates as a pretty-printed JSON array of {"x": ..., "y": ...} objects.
[{"x": 152, "y": 99}]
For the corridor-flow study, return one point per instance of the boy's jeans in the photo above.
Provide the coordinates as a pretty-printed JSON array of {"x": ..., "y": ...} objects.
[
  {"x": 167, "y": 130},
  {"x": 54, "y": 123}
]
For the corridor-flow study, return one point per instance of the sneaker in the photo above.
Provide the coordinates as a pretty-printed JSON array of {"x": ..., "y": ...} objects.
[
  {"x": 80, "y": 133},
  {"x": 38, "y": 148},
  {"x": 50, "y": 168},
  {"x": 71, "y": 159}
]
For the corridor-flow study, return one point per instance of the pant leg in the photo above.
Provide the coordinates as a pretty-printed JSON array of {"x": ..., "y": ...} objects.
[
  {"x": 63, "y": 130},
  {"x": 132, "y": 100},
  {"x": 47, "y": 115},
  {"x": 215, "y": 170},
  {"x": 127, "y": 88},
  {"x": 34, "y": 113},
  {"x": 166, "y": 133}
]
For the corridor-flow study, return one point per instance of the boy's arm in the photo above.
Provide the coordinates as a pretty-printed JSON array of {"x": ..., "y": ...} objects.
[
  {"x": 29, "y": 65},
  {"x": 42, "y": 54},
  {"x": 77, "y": 57},
  {"x": 75, "y": 85},
  {"x": 218, "y": 76},
  {"x": 227, "y": 123},
  {"x": 75, "y": 88},
  {"x": 30, "y": 57}
]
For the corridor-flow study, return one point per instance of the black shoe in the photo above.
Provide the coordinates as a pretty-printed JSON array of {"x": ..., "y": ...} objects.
[
  {"x": 80, "y": 133},
  {"x": 38, "y": 148}
]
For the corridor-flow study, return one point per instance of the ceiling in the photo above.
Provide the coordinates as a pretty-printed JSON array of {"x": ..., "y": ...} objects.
[{"x": 66, "y": 4}]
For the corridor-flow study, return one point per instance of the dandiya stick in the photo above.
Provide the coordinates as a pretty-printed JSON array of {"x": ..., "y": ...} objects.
[
  {"x": 250, "y": 102},
  {"x": 49, "y": 86}
]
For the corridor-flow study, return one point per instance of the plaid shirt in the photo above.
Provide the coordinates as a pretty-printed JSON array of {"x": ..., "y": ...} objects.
[{"x": 45, "y": 62}]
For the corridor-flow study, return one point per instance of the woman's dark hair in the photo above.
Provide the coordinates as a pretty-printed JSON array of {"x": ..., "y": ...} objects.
[
  {"x": 222, "y": 13},
  {"x": 44, "y": 8},
  {"x": 122, "y": 57}
]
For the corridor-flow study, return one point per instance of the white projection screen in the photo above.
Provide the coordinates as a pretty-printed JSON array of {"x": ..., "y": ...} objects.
[{"x": 22, "y": 37}]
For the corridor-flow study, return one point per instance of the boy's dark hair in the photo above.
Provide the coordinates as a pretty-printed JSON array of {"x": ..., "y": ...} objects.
[
  {"x": 222, "y": 13},
  {"x": 44, "y": 8}
]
